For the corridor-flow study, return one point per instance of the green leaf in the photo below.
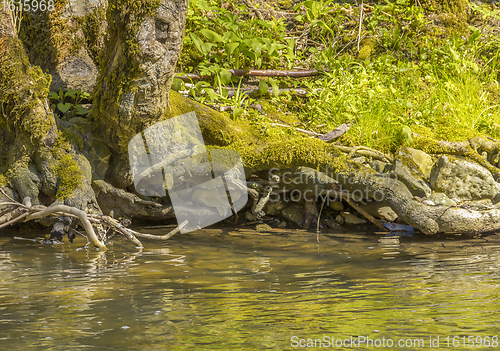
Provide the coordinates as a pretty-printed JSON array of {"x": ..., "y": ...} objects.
[
  {"x": 61, "y": 95},
  {"x": 177, "y": 84},
  {"x": 225, "y": 76},
  {"x": 237, "y": 112},
  {"x": 71, "y": 93},
  {"x": 211, "y": 93},
  {"x": 263, "y": 87},
  {"x": 230, "y": 47},
  {"x": 406, "y": 134},
  {"x": 197, "y": 41},
  {"x": 274, "y": 85},
  {"x": 211, "y": 35},
  {"x": 64, "y": 107},
  {"x": 53, "y": 96},
  {"x": 80, "y": 110}
]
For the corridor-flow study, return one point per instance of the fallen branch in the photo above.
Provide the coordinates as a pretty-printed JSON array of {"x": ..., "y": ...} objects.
[
  {"x": 255, "y": 73},
  {"x": 337, "y": 132},
  {"x": 162, "y": 237},
  {"x": 297, "y": 129},
  {"x": 360, "y": 210}
]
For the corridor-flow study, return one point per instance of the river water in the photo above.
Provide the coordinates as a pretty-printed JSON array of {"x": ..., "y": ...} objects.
[{"x": 244, "y": 290}]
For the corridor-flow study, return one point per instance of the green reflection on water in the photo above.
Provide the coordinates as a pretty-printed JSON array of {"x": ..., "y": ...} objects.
[{"x": 216, "y": 290}]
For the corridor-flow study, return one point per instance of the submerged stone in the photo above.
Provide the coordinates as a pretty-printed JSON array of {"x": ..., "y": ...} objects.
[
  {"x": 294, "y": 213},
  {"x": 463, "y": 180},
  {"x": 337, "y": 206},
  {"x": 352, "y": 219},
  {"x": 380, "y": 210}
]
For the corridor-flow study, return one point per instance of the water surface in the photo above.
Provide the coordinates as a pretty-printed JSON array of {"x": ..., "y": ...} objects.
[{"x": 244, "y": 290}]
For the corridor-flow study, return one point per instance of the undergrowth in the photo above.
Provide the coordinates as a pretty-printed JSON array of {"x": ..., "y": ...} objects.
[{"x": 403, "y": 72}]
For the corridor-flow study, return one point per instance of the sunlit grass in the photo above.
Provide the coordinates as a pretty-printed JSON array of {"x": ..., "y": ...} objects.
[{"x": 442, "y": 88}]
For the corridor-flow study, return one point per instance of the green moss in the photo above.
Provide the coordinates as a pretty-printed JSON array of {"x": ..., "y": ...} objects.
[
  {"x": 217, "y": 128},
  {"x": 449, "y": 6},
  {"x": 69, "y": 174},
  {"x": 49, "y": 36},
  {"x": 94, "y": 32},
  {"x": 72, "y": 134},
  {"x": 366, "y": 49},
  {"x": 3, "y": 180},
  {"x": 65, "y": 168},
  {"x": 22, "y": 88},
  {"x": 298, "y": 151}
]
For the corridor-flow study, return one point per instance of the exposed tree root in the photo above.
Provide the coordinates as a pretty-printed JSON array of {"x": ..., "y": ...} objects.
[{"x": 25, "y": 213}]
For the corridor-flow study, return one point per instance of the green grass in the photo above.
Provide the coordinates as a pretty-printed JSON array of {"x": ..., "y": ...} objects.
[{"x": 408, "y": 74}]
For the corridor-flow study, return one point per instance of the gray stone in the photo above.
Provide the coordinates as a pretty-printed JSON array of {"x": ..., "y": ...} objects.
[
  {"x": 331, "y": 224},
  {"x": 263, "y": 228},
  {"x": 412, "y": 180},
  {"x": 380, "y": 210},
  {"x": 441, "y": 199},
  {"x": 340, "y": 220},
  {"x": 360, "y": 159},
  {"x": 379, "y": 166},
  {"x": 463, "y": 180},
  {"x": 422, "y": 160},
  {"x": 352, "y": 219},
  {"x": 249, "y": 216},
  {"x": 77, "y": 72},
  {"x": 274, "y": 208},
  {"x": 294, "y": 213},
  {"x": 337, "y": 206}
]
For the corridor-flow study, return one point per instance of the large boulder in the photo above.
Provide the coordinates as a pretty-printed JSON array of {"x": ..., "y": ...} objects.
[{"x": 461, "y": 179}]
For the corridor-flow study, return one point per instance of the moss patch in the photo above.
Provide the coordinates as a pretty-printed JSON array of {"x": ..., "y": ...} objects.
[
  {"x": 22, "y": 88},
  {"x": 94, "y": 32},
  {"x": 49, "y": 36},
  {"x": 69, "y": 174},
  {"x": 3, "y": 180}
]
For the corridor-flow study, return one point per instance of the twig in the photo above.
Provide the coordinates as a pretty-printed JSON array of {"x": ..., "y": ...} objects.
[
  {"x": 297, "y": 129},
  {"x": 18, "y": 218},
  {"x": 162, "y": 237},
  {"x": 360, "y": 22},
  {"x": 8, "y": 197},
  {"x": 320, "y": 211}
]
